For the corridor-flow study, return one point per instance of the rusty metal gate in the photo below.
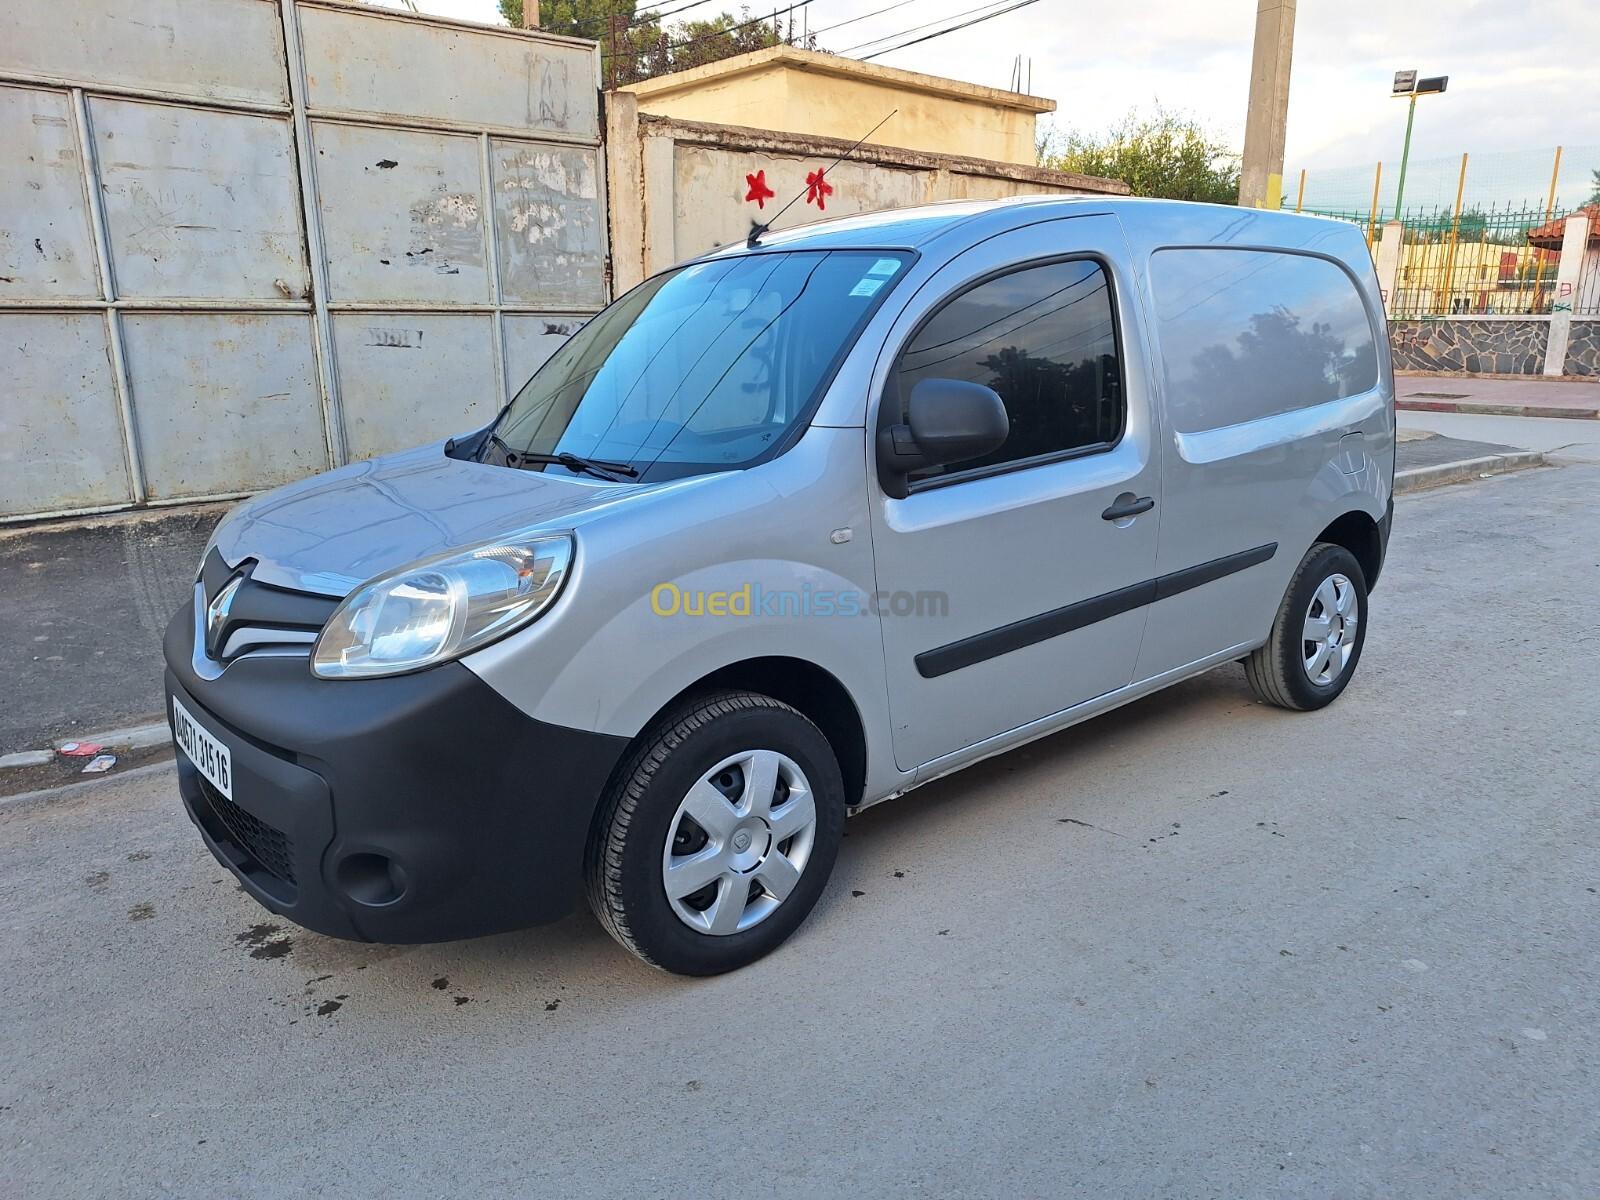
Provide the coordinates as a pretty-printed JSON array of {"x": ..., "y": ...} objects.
[{"x": 242, "y": 241}]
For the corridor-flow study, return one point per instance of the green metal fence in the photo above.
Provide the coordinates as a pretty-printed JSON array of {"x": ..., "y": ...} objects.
[
  {"x": 1475, "y": 262},
  {"x": 1472, "y": 261},
  {"x": 1464, "y": 250}
]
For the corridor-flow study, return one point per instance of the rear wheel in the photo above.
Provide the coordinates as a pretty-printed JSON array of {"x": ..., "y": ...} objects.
[
  {"x": 718, "y": 835},
  {"x": 1317, "y": 635}
]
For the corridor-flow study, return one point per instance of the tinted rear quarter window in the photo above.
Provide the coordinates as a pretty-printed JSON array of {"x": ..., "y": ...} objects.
[{"x": 1246, "y": 334}]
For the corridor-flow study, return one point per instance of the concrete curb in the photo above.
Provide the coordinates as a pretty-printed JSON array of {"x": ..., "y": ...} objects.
[
  {"x": 132, "y": 737},
  {"x": 1479, "y": 408},
  {"x": 1420, "y": 478},
  {"x": 65, "y": 791},
  {"x": 27, "y": 758}
]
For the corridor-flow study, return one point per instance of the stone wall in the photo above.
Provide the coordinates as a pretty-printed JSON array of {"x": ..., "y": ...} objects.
[
  {"x": 1583, "y": 349},
  {"x": 1505, "y": 347}
]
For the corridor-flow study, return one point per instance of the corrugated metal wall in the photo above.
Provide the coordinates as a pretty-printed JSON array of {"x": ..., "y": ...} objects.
[{"x": 245, "y": 240}]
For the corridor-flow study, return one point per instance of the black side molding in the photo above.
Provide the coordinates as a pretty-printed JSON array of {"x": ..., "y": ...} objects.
[
  {"x": 1032, "y": 630},
  {"x": 1209, "y": 572},
  {"x": 1029, "y": 631}
]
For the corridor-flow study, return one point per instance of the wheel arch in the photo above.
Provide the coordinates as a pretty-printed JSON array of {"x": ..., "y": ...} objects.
[
  {"x": 812, "y": 690},
  {"x": 1358, "y": 533}
]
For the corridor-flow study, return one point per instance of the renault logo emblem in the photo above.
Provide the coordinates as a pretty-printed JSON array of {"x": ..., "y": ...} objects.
[{"x": 217, "y": 613}]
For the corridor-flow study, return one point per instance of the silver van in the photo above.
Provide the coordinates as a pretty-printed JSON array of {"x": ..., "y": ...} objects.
[{"x": 783, "y": 532}]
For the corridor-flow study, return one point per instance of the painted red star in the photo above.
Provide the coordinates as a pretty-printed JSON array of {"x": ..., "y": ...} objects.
[
  {"x": 818, "y": 189},
  {"x": 759, "y": 191}
]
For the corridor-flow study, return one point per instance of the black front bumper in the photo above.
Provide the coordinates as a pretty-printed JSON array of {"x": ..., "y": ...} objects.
[{"x": 417, "y": 808}]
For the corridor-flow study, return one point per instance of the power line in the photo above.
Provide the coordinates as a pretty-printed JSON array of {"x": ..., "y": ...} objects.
[
  {"x": 604, "y": 20},
  {"x": 875, "y": 12},
  {"x": 940, "y": 33},
  {"x": 925, "y": 25},
  {"x": 706, "y": 37},
  {"x": 646, "y": 18}
]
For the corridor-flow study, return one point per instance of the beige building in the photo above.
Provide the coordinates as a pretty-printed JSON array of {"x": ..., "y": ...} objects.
[
  {"x": 787, "y": 90},
  {"x": 1484, "y": 278}
]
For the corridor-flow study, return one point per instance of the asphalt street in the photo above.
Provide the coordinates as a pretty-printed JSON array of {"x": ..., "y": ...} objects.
[{"x": 1198, "y": 947}]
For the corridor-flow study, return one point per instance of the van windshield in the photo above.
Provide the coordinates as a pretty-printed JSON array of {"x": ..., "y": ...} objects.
[{"x": 707, "y": 368}]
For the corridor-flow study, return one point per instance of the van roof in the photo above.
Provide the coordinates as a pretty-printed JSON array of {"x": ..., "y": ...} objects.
[{"x": 1177, "y": 221}]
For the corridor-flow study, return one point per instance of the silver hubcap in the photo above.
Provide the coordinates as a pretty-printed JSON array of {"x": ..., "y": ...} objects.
[
  {"x": 1329, "y": 636},
  {"x": 739, "y": 842}
]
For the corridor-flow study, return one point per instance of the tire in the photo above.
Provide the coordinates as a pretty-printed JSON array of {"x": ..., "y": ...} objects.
[
  {"x": 1279, "y": 672},
  {"x": 734, "y": 743}
]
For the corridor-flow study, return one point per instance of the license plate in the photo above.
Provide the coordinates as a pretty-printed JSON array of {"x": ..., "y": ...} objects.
[{"x": 208, "y": 755}]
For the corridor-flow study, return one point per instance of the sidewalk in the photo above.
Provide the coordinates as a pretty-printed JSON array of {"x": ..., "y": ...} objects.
[
  {"x": 83, "y": 606},
  {"x": 1424, "y": 459},
  {"x": 1529, "y": 397}
]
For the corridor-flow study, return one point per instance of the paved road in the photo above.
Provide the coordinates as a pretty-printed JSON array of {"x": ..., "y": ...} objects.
[{"x": 1195, "y": 948}]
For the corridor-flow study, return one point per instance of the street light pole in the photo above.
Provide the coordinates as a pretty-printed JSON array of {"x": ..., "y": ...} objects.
[
  {"x": 1405, "y": 153},
  {"x": 1407, "y": 84}
]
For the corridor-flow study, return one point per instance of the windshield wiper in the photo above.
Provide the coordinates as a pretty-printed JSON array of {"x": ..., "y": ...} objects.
[
  {"x": 496, "y": 440},
  {"x": 574, "y": 463}
]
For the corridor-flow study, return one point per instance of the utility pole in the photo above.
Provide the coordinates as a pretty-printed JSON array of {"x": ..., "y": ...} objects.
[
  {"x": 530, "y": 14},
  {"x": 1266, "y": 122}
]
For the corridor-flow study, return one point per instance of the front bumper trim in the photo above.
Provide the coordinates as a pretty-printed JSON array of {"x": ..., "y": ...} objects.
[{"x": 417, "y": 808}]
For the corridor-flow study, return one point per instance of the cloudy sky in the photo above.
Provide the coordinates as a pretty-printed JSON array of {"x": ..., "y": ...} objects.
[{"x": 1523, "y": 75}]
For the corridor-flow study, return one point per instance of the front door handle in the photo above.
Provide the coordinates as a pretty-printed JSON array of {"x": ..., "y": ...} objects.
[{"x": 1127, "y": 506}]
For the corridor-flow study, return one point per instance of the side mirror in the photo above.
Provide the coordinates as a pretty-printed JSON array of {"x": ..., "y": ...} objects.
[{"x": 948, "y": 420}]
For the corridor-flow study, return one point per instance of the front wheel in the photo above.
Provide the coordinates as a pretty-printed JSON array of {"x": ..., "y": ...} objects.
[
  {"x": 718, "y": 834},
  {"x": 1317, "y": 635}
]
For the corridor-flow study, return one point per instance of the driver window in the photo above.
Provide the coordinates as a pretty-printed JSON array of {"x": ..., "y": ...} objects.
[{"x": 1044, "y": 338}]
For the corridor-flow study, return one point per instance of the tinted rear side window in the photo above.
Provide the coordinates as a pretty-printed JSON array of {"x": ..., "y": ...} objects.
[
  {"x": 1042, "y": 337},
  {"x": 1250, "y": 333}
]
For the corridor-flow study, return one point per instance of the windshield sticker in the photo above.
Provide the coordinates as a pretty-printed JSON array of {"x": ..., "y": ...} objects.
[
  {"x": 884, "y": 267},
  {"x": 867, "y": 287}
]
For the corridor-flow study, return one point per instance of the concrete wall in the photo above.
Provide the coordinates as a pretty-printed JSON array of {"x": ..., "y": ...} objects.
[
  {"x": 245, "y": 240},
  {"x": 824, "y": 95},
  {"x": 679, "y": 188}
]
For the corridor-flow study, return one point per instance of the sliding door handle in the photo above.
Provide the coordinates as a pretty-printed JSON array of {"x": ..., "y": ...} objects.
[{"x": 1128, "y": 505}]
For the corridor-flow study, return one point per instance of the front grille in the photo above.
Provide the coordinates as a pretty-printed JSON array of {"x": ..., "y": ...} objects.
[
  {"x": 256, "y": 615},
  {"x": 268, "y": 846}
]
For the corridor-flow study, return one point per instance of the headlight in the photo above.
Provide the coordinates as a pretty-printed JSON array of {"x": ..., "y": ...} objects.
[{"x": 441, "y": 608}]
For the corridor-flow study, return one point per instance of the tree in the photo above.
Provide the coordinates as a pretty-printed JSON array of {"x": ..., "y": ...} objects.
[
  {"x": 1164, "y": 154},
  {"x": 634, "y": 47},
  {"x": 1594, "y": 196}
]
